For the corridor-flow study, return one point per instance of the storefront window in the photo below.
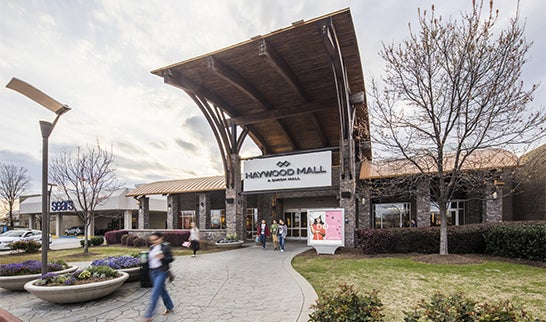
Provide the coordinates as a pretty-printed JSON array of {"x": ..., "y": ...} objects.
[
  {"x": 218, "y": 219},
  {"x": 389, "y": 215},
  {"x": 251, "y": 222},
  {"x": 455, "y": 213},
  {"x": 185, "y": 218}
]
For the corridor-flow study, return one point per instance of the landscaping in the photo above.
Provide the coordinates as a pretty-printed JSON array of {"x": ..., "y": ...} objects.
[{"x": 403, "y": 281}]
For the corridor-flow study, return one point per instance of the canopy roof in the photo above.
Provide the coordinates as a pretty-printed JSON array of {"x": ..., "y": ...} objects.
[
  {"x": 280, "y": 87},
  {"x": 180, "y": 186}
]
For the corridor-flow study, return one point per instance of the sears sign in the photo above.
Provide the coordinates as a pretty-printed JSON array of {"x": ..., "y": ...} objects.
[{"x": 288, "y": 172}]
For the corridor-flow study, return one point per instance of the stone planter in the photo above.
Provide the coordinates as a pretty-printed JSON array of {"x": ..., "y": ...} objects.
[
  {"x": 76, "y": 293},
  {"x": 232, "y": 244},
  {"x": 134, "y": 273},
  {"x": 17, "y": 283}
]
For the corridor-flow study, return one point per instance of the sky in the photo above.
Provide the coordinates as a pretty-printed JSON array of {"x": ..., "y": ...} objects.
[{"x": 96, "y": 57}]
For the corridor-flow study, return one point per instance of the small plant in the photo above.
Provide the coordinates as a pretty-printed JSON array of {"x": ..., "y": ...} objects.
[
  {"x": 139, "y": 242},
  {"x": 30, "y": 267},
  {"x": 231, "y": 236},
  {"x": 28, "y": 246},
  {"x": 347, "y": 305},
  {"x": 94, "y": 241},
  {"x": 457, "y": 307}
]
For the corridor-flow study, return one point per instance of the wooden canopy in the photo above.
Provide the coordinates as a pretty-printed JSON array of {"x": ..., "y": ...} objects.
[{"x": 288, "y": 90}]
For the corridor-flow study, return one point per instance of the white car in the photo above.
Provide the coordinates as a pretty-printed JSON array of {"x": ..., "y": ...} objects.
[{"x": 11, "y": 236}]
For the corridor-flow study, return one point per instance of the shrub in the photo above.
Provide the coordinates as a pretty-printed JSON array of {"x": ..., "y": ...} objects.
[
  {"x": 94, "y": 241},
  {"x": 55, "y": 279},
  {"x": 130, "y": 240},
  {"x": 140, "y": 242},
  {"x": 457, "y": 307},
  {"x": 124, "y": 239},
  {"x": 28, "y": 246},
  {"x": 114, "y": 236},
  {"x": 521, "y": 241},
  {"x": 347, "y": 305}
]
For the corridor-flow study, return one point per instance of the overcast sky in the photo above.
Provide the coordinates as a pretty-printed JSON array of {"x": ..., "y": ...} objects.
[{"x": 96, "y": 57}]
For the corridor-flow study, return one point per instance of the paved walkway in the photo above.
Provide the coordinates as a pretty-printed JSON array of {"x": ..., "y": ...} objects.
[{"x": 246, "y": 284}]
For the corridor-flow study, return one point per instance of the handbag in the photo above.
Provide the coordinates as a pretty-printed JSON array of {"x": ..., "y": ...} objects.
[{"x": 186, "y": 244}]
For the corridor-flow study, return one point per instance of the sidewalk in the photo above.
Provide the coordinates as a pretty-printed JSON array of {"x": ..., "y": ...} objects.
[{"x": 246, "y": 284}]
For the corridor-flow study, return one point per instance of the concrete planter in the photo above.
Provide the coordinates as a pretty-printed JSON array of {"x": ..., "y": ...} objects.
[
  {"x": 76, "y": 293},
  {"x": 17, "y": 283},
  {"x": 232, "y": 244},
  {"x": 134, "y": 273}
]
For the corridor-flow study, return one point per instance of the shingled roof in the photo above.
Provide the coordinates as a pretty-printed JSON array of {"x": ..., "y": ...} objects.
[{"x": 180, "y": 186}]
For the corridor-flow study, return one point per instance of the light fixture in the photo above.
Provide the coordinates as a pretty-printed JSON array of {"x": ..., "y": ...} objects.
[{"x": 46, "y": 128}]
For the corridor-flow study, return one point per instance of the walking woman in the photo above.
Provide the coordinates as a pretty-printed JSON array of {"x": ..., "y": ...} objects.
[
  {"x": 159, "y": 258},
  {"x": 282, "y": 231},
  {"x": 194, "y": 238}
]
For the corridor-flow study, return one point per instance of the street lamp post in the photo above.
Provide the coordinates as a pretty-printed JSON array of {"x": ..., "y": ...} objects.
[{"x": 46, "y": 128}]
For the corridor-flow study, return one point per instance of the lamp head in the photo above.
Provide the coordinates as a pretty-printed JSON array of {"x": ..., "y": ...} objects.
[{"x": 38, "y": 96}]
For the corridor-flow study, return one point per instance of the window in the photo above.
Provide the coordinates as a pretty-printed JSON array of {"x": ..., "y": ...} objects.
[
  {"x": 389, "y": 215},
  {"x": 185, "y": 218},
  {"x": 455, "y": 213},
  {"x": 218, "y": 219}
]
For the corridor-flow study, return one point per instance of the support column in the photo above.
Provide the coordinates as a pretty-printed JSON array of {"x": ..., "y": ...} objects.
[
  {"x": 347, "y": 193},
  {"x": 32, "y": 221},
  {"x": 493, "y": 203},
  {"x": 144, "y": 213},
  {"x": 364, "y": 208},
  {"x": 127, "y": 219},
  {"x": 234, "y": 200},
  {"x": 204, "y": 207},
  {"x": 422, "y": 204},
  {"x": 59, "y": 231},
  {"x": 172, "y": 212}
]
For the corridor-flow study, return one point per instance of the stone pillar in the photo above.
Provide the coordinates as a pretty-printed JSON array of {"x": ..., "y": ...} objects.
[
  {"x": 127, "y": 219},
  {"x": 172, "y": 212},
  {"x": 204, "y": 207},
  {"x": 364, "y": 208},
  {"x": 59, "y": 231},
  {"x": 422, "y": 203},
  {"x": 144, "y": 213},
  {"x": 493, "y": 203},
  {"x": 234, "y": 200},
  {"x": 347, "y": 193}
]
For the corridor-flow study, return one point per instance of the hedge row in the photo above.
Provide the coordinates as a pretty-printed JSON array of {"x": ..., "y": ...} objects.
[
  {"x": 175, "y": 238},
  {"x": 525, "y": 240}
]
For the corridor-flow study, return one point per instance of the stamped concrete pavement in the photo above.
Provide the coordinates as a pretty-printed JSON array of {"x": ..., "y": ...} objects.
[{"x": 246, "y": 284}]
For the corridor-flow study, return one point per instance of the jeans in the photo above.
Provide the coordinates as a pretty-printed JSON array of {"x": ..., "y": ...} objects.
[
  {"x": 281, "y": 241},
  {"x": 262, "y": 239},
  {"x": 158, "y": 289}
]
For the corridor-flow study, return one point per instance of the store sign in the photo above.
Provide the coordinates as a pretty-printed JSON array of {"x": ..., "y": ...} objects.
[
  {"x": 63, "y": 205},
  {"x": 288, "y": 172}
]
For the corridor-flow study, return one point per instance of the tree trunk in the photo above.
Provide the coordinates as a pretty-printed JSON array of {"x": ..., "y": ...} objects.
[{"x": 443, "y": 227}]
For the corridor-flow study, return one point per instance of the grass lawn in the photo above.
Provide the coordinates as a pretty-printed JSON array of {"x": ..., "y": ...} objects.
[
  {"x": 402, "y": 282},
  {"x": 95, "y": 252}
]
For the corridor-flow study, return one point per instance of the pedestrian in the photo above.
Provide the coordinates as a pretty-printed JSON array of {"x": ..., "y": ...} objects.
[
  {"x": 282, "y": 231},
  {"x": 159, "y": 259},
  {"x": 263, "y": 232},
  {"x": 274, "y": 228},
  {"x": 194, "y": 238}
]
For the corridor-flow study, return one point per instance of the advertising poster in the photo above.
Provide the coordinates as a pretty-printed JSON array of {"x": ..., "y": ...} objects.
[{"x": 326, "y": 227}]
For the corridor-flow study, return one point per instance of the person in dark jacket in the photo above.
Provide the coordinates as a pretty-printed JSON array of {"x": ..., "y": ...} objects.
[
  {"x": 263, "y": 232},
  {"x": 159, "y": 259}
]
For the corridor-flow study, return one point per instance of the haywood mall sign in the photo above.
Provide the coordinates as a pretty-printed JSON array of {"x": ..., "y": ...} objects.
[{"x": 288, "y": 172}]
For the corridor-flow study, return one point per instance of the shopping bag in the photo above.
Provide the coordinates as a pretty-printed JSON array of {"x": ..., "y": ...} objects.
[
  {"x": 257, "y": 239},
  {"x": 186, "y": 244}
]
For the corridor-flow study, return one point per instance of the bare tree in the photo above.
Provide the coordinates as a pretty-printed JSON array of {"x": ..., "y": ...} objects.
[
  {"x": 14, "y": 181},
  {"x": 87, "y": 178},
  {"x": 451, "y": 89}
]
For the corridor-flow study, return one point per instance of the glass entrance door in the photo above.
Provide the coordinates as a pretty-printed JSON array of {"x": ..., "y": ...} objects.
[{"x": 296, "y": 220}]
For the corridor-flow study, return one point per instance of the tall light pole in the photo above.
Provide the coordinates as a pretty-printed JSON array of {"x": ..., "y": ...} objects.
[{"x": 46, "y": 128}]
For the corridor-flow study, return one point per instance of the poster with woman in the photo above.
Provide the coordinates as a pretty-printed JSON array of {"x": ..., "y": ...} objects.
[{"x": 326, "y": 228}]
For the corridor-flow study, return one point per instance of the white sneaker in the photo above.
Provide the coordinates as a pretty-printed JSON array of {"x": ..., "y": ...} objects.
[{"x": 282, "y": 250}]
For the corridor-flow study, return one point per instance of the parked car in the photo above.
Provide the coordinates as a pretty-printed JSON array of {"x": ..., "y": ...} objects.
[
  {"x": 74, "y": 230},
  {"x": 11, "y": 236}
]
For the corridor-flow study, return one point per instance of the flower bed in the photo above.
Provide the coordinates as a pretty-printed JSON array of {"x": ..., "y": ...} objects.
[
  {"x": 13, "y": 277},
  {"x": 123, "y": 263}
]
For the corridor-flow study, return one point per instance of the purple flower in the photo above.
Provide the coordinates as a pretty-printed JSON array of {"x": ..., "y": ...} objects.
[
  {"x": 117, "y": 262},
  {"x": 27, "y": 267}
]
